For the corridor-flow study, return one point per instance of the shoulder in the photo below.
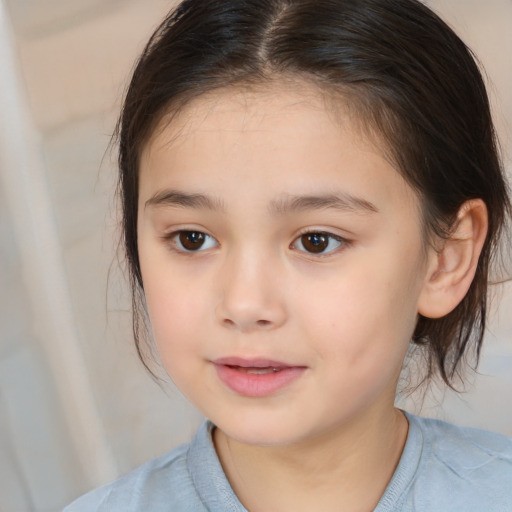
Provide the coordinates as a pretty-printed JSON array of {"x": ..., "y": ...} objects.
[
  {"x": 189, "y": 479},
  {"x": 463, "y": 468},
  {"x": 465, "y": 448},
  {"x": 155, "y": 486}
]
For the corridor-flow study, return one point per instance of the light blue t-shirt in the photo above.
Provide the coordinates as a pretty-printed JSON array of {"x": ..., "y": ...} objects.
[{"x": 443, "y": 468}]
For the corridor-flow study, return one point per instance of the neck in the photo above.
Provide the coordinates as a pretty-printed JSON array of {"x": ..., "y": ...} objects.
[{"x": 344, "y": 469}]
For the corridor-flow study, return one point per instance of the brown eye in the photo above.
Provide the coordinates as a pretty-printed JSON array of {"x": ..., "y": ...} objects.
[
  {"x": 190, "y": 241},
  {"x": 314, "y": 242},
  {"x": 318, "y": 243}
]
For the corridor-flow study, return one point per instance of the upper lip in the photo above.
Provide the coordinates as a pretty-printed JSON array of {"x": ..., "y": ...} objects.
[{"x": 252, "y": 362}]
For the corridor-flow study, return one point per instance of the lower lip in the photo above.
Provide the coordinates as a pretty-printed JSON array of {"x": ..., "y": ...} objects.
[{"x": 257, "y": 385}]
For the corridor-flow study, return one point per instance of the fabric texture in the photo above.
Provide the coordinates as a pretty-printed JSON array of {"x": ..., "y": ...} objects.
[{"x": 443, "y": 468}]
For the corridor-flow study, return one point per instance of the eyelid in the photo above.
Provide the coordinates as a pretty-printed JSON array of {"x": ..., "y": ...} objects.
[
  {"x": 344, "y": 242},
  {"x": 170, "y": 237}
]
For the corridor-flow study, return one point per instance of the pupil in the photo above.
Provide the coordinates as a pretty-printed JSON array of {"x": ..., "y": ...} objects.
[
  {"x": 192, "y": 240},
  {"x": 315, "y": 242}
]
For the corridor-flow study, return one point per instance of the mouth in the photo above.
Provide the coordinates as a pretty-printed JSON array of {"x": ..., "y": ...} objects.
[
  {"x": 255, "y": 370},
  {"x": 256, "y": 377}
]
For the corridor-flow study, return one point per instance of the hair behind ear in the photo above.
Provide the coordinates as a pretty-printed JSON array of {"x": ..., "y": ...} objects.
[{"x": 456, "y": 288}]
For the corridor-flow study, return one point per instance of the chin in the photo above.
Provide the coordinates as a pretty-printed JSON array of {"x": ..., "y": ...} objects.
[
  {"x": 270, "y": 439},
  {"x": 260, "y": 432}
]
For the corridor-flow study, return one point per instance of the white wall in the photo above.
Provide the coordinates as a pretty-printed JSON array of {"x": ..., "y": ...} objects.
[{"x": 76, "y": 407}]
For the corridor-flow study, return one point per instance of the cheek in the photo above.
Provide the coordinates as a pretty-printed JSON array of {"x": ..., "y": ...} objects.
[
  {"x": 365, "y": 319},
  {"x": 174, "y": 319},
  {"x": 172, "y": 313}
]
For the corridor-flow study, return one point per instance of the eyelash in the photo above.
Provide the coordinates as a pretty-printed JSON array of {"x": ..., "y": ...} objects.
[
  {"x": 340, "y": 241},
  {"x": 177, "y": 244}
]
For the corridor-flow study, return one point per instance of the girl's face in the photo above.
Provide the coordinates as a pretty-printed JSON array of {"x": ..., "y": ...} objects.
[{"x": 282, "y": 262}]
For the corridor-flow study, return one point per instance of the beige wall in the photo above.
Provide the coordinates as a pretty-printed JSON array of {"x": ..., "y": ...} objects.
[{"x": 76, "y": 407}]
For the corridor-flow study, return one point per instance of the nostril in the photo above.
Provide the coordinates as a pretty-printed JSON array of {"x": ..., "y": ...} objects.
[{"x": 260, "y": 323}]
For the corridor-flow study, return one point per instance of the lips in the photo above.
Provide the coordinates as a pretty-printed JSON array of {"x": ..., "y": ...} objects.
[{"x": 256, "y": 377}]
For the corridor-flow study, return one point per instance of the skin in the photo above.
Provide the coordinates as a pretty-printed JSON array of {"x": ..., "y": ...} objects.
[{"x": 331, "y": 439}]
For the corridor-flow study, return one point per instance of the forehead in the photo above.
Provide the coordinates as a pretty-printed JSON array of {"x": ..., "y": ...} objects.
[
  {"x": 292, "y": 136},
  {"x": 180, "y": 121},
  {"x": 244, "y": 106}
]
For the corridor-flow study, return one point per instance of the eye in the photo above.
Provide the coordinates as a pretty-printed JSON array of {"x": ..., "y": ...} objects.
[
  {"x": 318, "y": 242},
  {"x": 193, "y": 241}
]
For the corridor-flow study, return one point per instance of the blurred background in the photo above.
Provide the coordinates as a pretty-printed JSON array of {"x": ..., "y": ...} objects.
[{"x": 77, "y": 408}]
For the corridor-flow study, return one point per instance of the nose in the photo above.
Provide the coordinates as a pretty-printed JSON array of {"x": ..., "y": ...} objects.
[{"x": 251, "y": 295}]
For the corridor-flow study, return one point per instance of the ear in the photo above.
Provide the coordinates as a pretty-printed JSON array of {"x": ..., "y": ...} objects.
[{"x": 451, "y": 270}]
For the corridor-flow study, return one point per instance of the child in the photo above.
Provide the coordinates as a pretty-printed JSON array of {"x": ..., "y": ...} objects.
[{"x": 308, "y": 187}]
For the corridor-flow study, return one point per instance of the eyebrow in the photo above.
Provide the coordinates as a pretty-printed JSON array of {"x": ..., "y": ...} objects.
[
  {"x": 182, "y": 199},
  {"x": 338, "y": 201},
  {"x": 288, "y": 204}
]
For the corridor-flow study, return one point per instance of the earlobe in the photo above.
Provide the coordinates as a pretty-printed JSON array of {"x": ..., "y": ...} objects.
[{"x": 451, "y": 269}]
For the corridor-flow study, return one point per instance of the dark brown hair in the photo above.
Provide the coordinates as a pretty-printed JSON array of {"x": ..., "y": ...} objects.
[{"x": 401, "y": 69}]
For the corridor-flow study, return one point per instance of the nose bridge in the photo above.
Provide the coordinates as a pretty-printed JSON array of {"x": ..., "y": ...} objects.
[{"x": 251, "y": 296}]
